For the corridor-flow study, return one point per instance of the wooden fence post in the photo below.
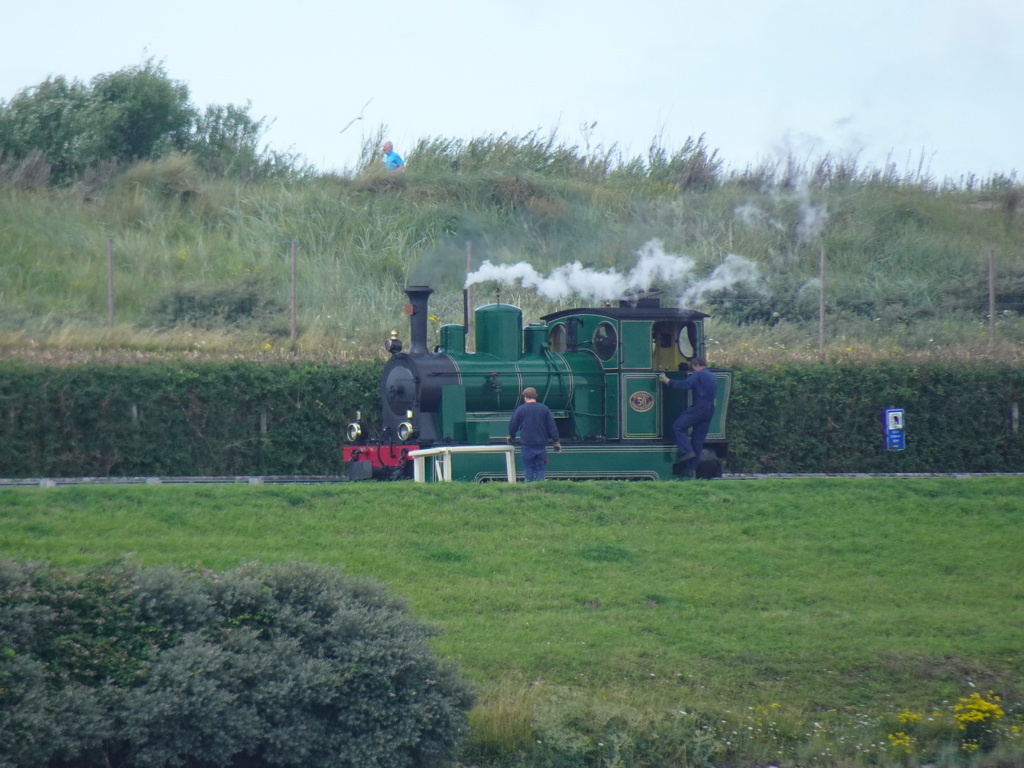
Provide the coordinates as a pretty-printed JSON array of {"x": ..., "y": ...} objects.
[
  {"x": 294, "y": 292},
  {"x": 821, "y": 300},
  {"x": 467, "y": 303},
  {"x": 991, "y": 298},
  {"x": 110, "y": 283}
]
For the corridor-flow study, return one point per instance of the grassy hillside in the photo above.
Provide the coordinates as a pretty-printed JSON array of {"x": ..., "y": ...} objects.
[
  {"x": 790, "y": 621},
  {"x": 201, "y": 263}
]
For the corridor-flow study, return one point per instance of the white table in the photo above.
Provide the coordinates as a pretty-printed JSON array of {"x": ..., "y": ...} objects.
[{"x": 442, "y": 457}]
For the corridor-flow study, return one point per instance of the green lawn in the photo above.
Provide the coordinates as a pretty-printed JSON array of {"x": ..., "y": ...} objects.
[{"x": 821, "y": 594}]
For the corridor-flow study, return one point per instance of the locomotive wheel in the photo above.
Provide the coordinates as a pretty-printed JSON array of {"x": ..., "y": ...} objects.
[{"x": 709, "y": 466}]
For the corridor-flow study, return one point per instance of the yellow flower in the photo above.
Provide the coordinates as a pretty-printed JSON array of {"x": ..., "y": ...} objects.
[
  {"x": 976, "y": 709},
  {"x": 901, "y": 740}
]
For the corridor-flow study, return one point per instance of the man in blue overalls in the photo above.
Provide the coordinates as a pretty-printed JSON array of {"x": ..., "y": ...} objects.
[
  {"x": 691, "y": 426},
  {"x": 537, "y": 425}
]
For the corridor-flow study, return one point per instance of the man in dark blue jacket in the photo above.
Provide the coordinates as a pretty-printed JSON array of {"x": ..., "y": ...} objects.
[
  {"x": 691, "y": 426},
  {"x": 536, "y": 425}
]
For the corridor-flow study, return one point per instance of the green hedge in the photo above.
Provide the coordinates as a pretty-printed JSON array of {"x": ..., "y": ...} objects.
[
  {"x": 244, "y": 418},
  {"x": 204, "y": 419},
  {"x": 828, "y": 418}
]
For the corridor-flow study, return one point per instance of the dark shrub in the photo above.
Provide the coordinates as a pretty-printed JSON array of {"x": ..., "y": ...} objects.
[
  {"x": 262, "y": 666},
  {"x": 246, "y": 304}
]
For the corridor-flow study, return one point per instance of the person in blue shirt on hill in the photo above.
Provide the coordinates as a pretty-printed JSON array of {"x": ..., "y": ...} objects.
[
  {"x": 392, "y": 160},
  {"x": 691, "y": 426},
  {"x": 536, "y": 425}
]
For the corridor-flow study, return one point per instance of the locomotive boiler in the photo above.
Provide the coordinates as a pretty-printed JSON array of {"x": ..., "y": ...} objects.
[{"x": 596, "y": 369}]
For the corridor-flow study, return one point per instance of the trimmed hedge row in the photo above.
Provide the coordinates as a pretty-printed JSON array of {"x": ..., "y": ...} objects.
[
  {"x": 204, "y": 419},
  {"x": 819, "y": 418},
  {"x": 244, "y": 418}
]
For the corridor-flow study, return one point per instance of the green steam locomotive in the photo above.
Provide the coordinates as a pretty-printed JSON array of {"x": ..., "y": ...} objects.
[{"x": 596, "y": 368}]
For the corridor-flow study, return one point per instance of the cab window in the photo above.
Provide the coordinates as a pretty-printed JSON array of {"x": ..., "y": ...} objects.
[
  {"x": 605, "y": 340},
  {"x": 686, "y": 341},
  {"x": 557, "y": 339},
  {"x": 674, "y": 344}
]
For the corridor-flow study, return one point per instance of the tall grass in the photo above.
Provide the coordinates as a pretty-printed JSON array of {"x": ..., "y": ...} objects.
[{"x": 900, "y": 249}]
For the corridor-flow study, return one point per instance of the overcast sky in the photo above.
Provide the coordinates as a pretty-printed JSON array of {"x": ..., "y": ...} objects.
[{"x": 876, "y": 80}]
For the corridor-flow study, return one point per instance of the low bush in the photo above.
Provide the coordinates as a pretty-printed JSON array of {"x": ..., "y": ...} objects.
[
  {"x": 288, "y": 665},
  {"x": 244, "y": 304}
]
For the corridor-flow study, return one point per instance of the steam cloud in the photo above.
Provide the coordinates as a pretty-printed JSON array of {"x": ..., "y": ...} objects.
[
  {"x": 733, "y": 271},
  {"x": 810, "y": 221},
  {"x": 653, "y": 269}
]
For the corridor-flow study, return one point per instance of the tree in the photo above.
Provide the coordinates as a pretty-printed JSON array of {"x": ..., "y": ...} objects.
[
  {"x": 45, "y": 118},
  {"x": 134, "y": 112},
  {"x": 226, "y": 142}
]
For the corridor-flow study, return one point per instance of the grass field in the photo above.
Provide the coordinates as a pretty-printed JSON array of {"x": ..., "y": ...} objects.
[
  {"x": 201, "y": 264},
  {"x": 786, "y": 602}
]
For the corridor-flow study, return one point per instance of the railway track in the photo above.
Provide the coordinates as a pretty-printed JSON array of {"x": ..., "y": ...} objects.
[{"x": 52, "y": 482}]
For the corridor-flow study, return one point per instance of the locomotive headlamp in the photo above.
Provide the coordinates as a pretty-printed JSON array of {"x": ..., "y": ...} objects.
[
  {"x": 393, "y": 344},
  {"x": 354, "y": 431},
  {"x": 406, "y": 429}
]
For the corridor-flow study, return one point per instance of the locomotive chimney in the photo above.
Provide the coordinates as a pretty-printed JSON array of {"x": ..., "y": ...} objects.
[{"x": 418, "y": 312}]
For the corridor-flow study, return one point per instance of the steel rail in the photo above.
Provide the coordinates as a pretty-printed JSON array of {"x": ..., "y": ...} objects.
[{"x": 51, "y": 482}]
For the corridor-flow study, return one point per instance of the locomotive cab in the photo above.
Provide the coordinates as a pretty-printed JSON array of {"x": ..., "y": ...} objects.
[{"x": 634, "y": 342}]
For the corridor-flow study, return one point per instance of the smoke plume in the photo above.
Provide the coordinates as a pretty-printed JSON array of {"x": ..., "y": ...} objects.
[
  {"x": 733, "y": 271},
  {"x": 654, "y": 270}
]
